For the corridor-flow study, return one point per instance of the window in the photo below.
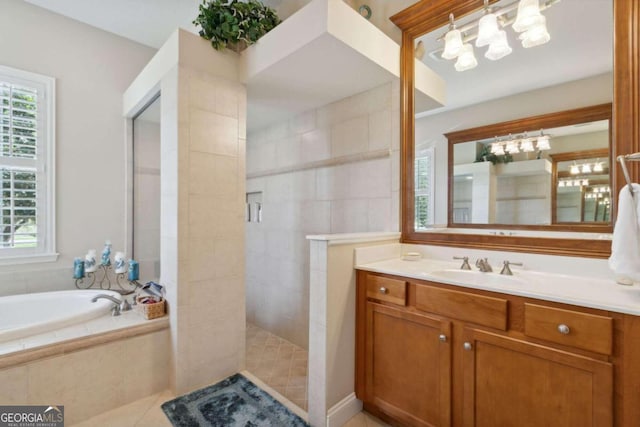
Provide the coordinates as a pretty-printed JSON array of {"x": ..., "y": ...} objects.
[
  {"x": 26, "y": 167},
  {"x": 424, "y": 189}
]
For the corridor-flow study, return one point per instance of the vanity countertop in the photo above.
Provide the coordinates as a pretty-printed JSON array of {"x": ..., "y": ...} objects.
[{"x": 604, "y": 294}]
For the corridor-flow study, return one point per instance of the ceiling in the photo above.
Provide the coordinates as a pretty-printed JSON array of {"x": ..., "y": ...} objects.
[
  {"x": 581, "y": 46},
  {"x": 149, "y": 22}
]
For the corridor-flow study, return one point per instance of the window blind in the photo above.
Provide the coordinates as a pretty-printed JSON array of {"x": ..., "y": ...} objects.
[
  {"x": 423, "y": 178},
  {"x": 18, "y": 165}
]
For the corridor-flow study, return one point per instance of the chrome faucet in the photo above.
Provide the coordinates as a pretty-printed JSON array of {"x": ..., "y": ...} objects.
[
  {"x": 115, "y": 310},
  {"x": 483, "y": 265},
  {"x": 506, "y": 270},
  {"x": 465, "y": 262}
]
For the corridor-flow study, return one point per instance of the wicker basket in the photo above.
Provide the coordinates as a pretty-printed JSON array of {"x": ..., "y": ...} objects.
[{"x": 150, "y": 311}]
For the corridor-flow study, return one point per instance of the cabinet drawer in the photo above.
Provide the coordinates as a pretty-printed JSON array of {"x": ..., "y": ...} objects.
[
  {"x": 385, "y": 289},
  {"x": 479, "y": 309},
  {"x": 581, "y": 330}
]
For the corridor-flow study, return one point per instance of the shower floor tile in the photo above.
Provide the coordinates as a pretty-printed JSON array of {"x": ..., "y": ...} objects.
[{"x": 279, "y": 363}]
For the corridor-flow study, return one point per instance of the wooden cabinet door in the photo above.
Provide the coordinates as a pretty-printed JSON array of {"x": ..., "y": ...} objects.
[
  {"x": 408, "y": 366},
  {"x": 514, "y": 383}
]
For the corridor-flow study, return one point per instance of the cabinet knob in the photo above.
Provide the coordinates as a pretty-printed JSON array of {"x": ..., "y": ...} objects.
[
  {"x": 383, "y": 290},
  {"x": 467, "y": 346},
  {"x": 443, "y": 338},
  {"x": 564, "y": 329}
]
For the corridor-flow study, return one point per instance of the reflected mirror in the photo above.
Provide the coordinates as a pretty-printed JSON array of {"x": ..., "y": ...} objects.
[{"x": 551, "y": 176}]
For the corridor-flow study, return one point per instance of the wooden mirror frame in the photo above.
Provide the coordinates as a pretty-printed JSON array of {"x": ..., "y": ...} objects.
[
  {"x": 429, "y": 15},
  {"x": 520, "y": 126}
]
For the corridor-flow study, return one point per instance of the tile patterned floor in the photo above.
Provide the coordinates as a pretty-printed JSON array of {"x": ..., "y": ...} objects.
[
  {"x": 279, "y": 363},
  {"x": 145, "y": 412},
  {"x": 364, "y": 419}
]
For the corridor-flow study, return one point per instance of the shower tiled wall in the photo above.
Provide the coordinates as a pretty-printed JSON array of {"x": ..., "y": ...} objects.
[{"x": 329, "y": 170}]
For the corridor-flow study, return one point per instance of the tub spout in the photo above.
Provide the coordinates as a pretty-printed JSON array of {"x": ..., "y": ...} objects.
[{"x": 115, "y": 311}]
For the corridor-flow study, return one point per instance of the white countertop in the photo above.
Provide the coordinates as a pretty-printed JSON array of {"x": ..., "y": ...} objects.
[{"x": 603, "y": 294}]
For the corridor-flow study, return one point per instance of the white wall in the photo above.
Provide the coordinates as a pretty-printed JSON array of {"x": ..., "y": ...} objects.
[
  {"x": 381, "y": 10},
  {"x": 354, "y": 195},
  {"x": 429, "y": 130},
  {"x": 92, "y": 70}
]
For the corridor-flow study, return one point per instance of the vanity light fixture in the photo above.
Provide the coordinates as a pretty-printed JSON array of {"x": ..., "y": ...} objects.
[
  {"x": 526, "y": 145},
  {"x": 452, "y": 41},
  {"x": 543, "y": 142},
  {"x": 488, "y": 30},
  {"x": 497, "y": 148},
  {"x": 528, "y": 15},
  {"x": 585, "y": 182},
  {"x": 536, "y": 35},
  {"x": 577, "y": 183},
  {"x": 586, "y": 168},
  {"x": 528, "y": 21},
  {"x": 499, "y": 48},
  {"x": 574, "y": 169},
  {"x": 597, "y": 167},
  {"x": 466, "y": 59},
  {"x": 512, "y": 146}
]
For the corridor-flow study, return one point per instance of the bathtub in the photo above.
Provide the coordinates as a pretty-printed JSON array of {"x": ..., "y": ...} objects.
[{"x": 31, "y": 314}]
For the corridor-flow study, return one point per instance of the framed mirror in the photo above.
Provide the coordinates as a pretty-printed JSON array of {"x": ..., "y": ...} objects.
[
  {"x": 527, "y": 173},
  {"x": 503, "y": 80}
]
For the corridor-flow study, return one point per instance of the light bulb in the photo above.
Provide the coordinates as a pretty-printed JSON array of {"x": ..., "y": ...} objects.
[
  {"x": 597, "y": 167},
  {"x": 488, "y": 30},
  {"x": 466, "y": 59},
  {"x": 495, "y": 147},
  {"x": 499, "y": 47},
  {"x": 574, "y": 170},
  {"x": 512, "y": 147},
  {"x": 543, "y": 143},
  {"x": 499, "y": 150},
  {"x": 452, "y": 44},
  {"x": 560, "y": 183},
  {"x": 526, "y": 145},
  {"x": 528, "y": 15},
  {"x": 586, "y": 168},
  {"x": 536, "y": 35},
  {"x": 576, "y": 183},
  {"x": 585, "y": 182}
]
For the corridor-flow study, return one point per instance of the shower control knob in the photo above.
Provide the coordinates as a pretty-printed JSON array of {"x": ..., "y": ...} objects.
[{"x": 383, "y": 290}]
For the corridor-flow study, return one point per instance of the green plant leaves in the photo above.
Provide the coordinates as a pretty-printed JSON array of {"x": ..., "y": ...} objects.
[{"x": 232, "y": 23}]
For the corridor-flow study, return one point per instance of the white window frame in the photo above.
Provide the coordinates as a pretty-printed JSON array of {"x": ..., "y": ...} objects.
[{"x": 45, "y": 251}]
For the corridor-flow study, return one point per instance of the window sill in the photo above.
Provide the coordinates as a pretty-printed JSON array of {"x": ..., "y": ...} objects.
[{"x": 28, "y": 259}]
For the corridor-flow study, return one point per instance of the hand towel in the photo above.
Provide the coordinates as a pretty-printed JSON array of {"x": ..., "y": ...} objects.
[{"x": 625, "y": 247}]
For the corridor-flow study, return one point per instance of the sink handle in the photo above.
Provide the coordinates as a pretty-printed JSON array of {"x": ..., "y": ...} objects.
[
  {"x": 506, "y": 270},
  {"x": 465, "y": 262}
]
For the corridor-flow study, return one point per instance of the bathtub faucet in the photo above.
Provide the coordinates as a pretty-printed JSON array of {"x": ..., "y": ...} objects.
[{"x": 115, "y": 311}]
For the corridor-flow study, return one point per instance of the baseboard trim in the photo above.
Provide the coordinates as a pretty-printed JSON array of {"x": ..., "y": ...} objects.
[{"x": 343, "y": 411}]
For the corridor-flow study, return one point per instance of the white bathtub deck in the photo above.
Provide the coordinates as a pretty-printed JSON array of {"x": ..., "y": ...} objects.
[{"x": 96, "y": 326}]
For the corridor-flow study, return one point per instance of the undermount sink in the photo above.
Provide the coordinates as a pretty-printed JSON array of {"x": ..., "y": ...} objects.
[{"x": 476, "y": 277}]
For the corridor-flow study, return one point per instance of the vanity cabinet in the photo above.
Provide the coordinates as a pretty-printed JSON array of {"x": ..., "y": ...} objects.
[
  {"x": 442, "y": 355},
  {"x": 408, "y": 365}
]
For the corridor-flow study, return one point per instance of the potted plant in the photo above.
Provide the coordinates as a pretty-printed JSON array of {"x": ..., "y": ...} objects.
[{"x": 234, "y": 24}]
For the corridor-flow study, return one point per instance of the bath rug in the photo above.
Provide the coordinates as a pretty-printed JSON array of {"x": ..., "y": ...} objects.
[{"x": 233, "y": 402}]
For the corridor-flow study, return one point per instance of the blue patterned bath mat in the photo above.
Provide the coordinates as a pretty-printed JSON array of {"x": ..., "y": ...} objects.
[{"x": 234, "y": 402}]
